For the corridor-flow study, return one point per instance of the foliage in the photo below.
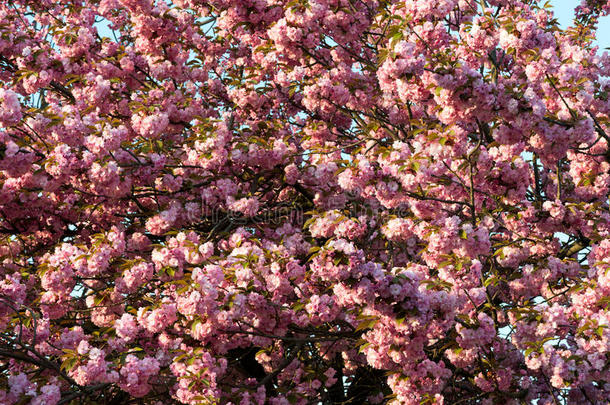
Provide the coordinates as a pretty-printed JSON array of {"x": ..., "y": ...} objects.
[{"x": 301, "y": 202}]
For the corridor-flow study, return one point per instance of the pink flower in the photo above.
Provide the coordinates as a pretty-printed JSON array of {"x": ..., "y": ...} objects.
[
  {"x": 247, "y": 206},
  {"x": 136, "y": 373},
  {"x": 50, "y": 394},
  {"x": 10, "y": 108},
  {"x": 126, "y": 327}
]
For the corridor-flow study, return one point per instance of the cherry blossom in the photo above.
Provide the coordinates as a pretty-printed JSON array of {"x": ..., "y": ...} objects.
[{"x": 301, "y": 202}]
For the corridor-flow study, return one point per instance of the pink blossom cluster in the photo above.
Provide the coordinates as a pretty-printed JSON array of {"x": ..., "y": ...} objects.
[
  {"x": 136, "y": 373},
  {"x": 10, "y": 107}
]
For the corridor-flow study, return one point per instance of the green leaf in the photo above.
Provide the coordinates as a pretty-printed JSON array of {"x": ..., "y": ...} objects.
[
  {"x": 69, "y": 364},
  {"x": 367, "y": 324}
]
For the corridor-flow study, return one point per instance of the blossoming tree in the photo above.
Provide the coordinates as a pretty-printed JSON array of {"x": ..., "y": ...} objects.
[{"x": 303, "y": 202}]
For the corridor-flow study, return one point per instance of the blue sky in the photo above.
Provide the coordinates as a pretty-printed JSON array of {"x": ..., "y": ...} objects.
[{"x": 564, "y": 11}]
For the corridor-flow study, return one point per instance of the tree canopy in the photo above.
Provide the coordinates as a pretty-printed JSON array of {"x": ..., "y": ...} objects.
[{"x": 303, "y": 202}]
